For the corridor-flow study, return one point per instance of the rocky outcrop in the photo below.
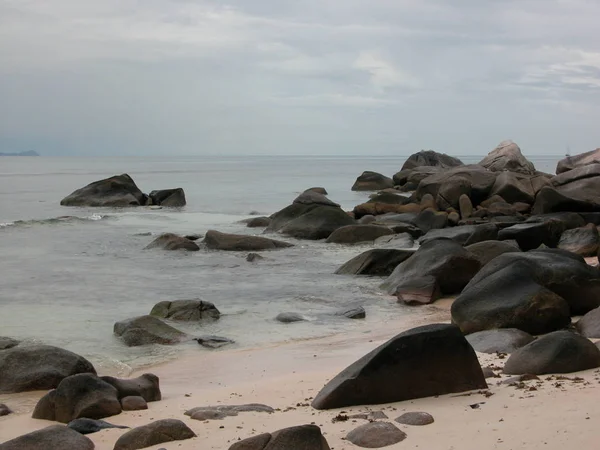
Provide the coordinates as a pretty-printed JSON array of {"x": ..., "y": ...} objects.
[
  {"x": 505, "y": 340},
  {"x": 583, "y": 241},
  {"x": 589, "y": 325},
  {"x": 352, "y": 234},
  {"x": 431, "y": 158},
  {"x": 372, "y": 181},
  {"x": 376, "y": 435},
  {"x": 377, "y": 262},
  {"x": 145, "y": 386},
  {"x": 580, "y": 160},
  {"x": 507, "y": 156},
  {"x": 464, "y": 235},
  {"x": 303, "y": 437},
  {"x": 38, "y": 367},
  {"x": 170, "y": 198},
  {"x": 185, "y": 310},
  {"x": 558, "y": 352},
  {"x": 422, "y": 362},
  {"x": 487, "y": 250},
  {"x": 117, "y": 191},
  {"x": 56, "y": 437},
  {"x": 171, "y": 241},
  {"x": 144, "y": 330},
  {"x": 158, "y": 432},
  {"x": 216, "y": 240}
]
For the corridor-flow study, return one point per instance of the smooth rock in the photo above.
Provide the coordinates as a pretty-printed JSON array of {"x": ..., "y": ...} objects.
[
  {"x": 144, "y": 330},
  {"x": 171, "y": 198},
  {"x": 580, "y": 160},
  {"x": 165, "y": 430},
  {"x": 415, "y": 418},
  {"x": 531, "y": 235},
  {"x": 303, "y": 437},
  {"x": 376, "y": 435},
  {"x": 352, "y": 234},
  {"x": 504, "y": 340},
  {"x": 117, "y": 191},
  {"x": 372, "y": 181},
  {"x": 486, "y": 251},
  {"x": 185, "y": 310},
  {"x": 589, "y": 325},
  {"x": 216, "y": 240},
  {"x": 465, "y": 206},
  {"x": 508, "y": 157},
  {"x": 133, "y": 403},
  {"x": 56, "y": 437},
  {"x": 290, "y": 317},
  {"x": 309, "y": 221},
  {"x": 170, "y": 241},
  {"x": 431, "y": 158},
  {"x": 89, "y": 426},
  {"x": 377, "y": 262},
  {"x": 4, "y": 410},
  {"x": 258, "y": 222},
  {"x": 355, "y": 312},
  {"x": 464, "y": 235},
  {"x": 252, "y": 257}
]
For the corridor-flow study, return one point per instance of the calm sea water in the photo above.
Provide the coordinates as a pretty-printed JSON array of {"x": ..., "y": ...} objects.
[{"x": 65, "y": 281}]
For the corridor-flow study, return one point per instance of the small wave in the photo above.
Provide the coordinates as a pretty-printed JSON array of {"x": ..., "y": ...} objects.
[{"x": 54, "y": 220}]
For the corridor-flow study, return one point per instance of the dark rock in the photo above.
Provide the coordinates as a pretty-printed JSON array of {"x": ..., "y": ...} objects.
[
  {"x": 531, "y": 235},
  {"x": 6, "y": 343},
  {"x": 372, "y": 181},
  {"x": 441, "y": 260},
  {"x": 501, "y": 209},
  {"x": 415, "y": 418},
  {"x": 318, "y": 190},
  {"x": 185, "y": 310},
  {"x": 213, "y": 341},
  {"x": 376, "y": 435},
  {"x": 431, "y": 158},
  {"x": 505, "y": 340},
  {"x": 56, "y": 437},
  {"x": 258, "y": 442},
  {"x": 290, "y": 317},
  {"x": 366, "y": 220},
  {"x": 351, "y": 234},
  {"x": 219, "y": 412},
  {"x": 133, "y": 403},
  {"x": 568, "y": 219},
  {"x": 558, "y": 352},
  {"x": 590, "y": 217},
  {"x": 378, "y": 209},
  {"x": 144, "y": 330},
  {"x": 522, "y": 208},
  {"x": 258, "y": 222},
  {"x": 118, "y": 191},
  {"x": 172, "y": 198},
  {"x": 402, "y": 241},
  {"x": 589, "y": 325},
  {"x": 431, "y": 220},
  {"x": 465, "y": 206},
  {"x": 491, "y": 200},
  {"x": 419, "y": 291},
  {"x": 414, "y": 231},
  {"x": 378, "y": 262},
  {"x": 191, "y": 237},
  {"x": 507, "y": 156},
  {"x": 254, "y": 257},
  {"x": 389, "y": 198},
  {"x": 464, "y": 235},
  {"x": 240, "y": 242},
  {"x": 489, "y": 373},
  {"x": 4, "y": 410},
  {"x": 146, "y": 386},
  {"x": 166, "y": 430},
  {"x": 422, "y": 362},
  {"x": 583, "y": 241},
  {"x": 79, "y": 396},
  {"x": 410, "y": 178},
  {"x": 170, "y": 241},
  {"x": 513, "y": 187},
  {"x": 485, "y": 251},
  {"x": 580, "y": 160},
  {"x": 314, "y": 198},
  {"x": 453, "y": 218},
  {"x": 309, "y": 221},
  {"x": 38, "y": 367},
  {"x": 303, "y": 437},
  {"x": 356, "y": 312},
  {"x": 89, "y": 426}
]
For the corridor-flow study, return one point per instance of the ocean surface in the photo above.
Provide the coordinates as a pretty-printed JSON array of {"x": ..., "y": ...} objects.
[{"x": 68, "y": 274}]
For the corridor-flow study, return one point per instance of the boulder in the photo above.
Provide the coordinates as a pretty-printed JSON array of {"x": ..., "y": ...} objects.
[
  {"x": 589, "y": 325},
  {"x": 258, "y": 222},
  {"x": 117, "y": 191},
  {"x": 464, "y": 235},
  {"x": 508, "y": 157},
  {"x": 303, "y": 437},
  {"x": 89, "y": 426},
  {"x": 440, "y": 262},
  {"x": 391, "y": 198},
  {"x": 568, "y": 219},
  {"x": 6, "y": 343},
  {"x": 453, "y": 218},
  {"x": 309, "y": 221},
  {"x": 171, "y": 241},
  {"x": 185, "y": 310},
  {"x": 172, "y": 198},
  {"x": 318, "y": 190},
  {"x": 514, "y": 187},
  {"x": 415, "y": 419},
  {"x": 352, "y": 234},
  {"x": 145, "y": 386},
  {"x": 372, "y": 181},
  {"x": 412, "y": 177},
  {"x": 431, "y": 158},
  {"x": 366, "y": 220},
  {"x": 430, "y": 220},
  {"x": 531, "y": 235},
  {"x": 219, "y": 412},
  {"x": 491, "y": 200},
  {"x": 38, "y": 367},
  {"x": 422, "y": 362},
  {"x": 313, "y": 198},
  {"x": 377, "y": 262},
  {"x": 583, "y": 241},
  {"x": 78, "y": 396},
  {"x": 290, "y": 317},
  {"x": 133, "y": 403},
  {"x": 558, "y": 352},
  {"x": 501, "y": 209},
  {"x": 4, "y": 410},
  {"x": 144, "y": 330},
  {"x": 56, "y": 437},
  {"x": 216, "y": 240},
  {"x": 485, "y": 251},
  {"x": 580, "y": 160},
  {"x": 465, "y": 206},
  {"x": 158, "y": 432},
  {"x": 376, "y": 435},
  {"x": 252, "y": 257},
  {"x": 505, "y": 340}
]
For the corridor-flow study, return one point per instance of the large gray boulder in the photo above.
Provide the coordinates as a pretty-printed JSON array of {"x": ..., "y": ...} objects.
[
  {"x": 117, "y": 191},
  {"x": 303, "y": 437},
  {"x": 431, "y": 158},
  {"x": 171, "y": 198},
  {"x": 514, "y": 187},
  {"x": 155, "y": 433},
  {"x": 485, "y": 251},
  {"x": 216, "y": 240},
  {"x": 312, "y": 221},
  {"x": 38, "y": 367},
  {"x": 508, "y": 156},
  {"x": 580, "y": 160},
  {"x": 185, "y": 310},
  {"x": 171, "y": 241},
  {"x": 464, "y": 235},
  {"x": 372, "y": 181},
  {"x": 422, "y": 362},
  {"x": 56, "y": 437},
  {"x": 583, "y": 241},
  {"x": 531, "y": 235},
  {"x": 505, "y": 340},
  {"x": 144, "y": 330},
  {"x": 376, "y": 262},
  {"x": 353, "y": 234}
]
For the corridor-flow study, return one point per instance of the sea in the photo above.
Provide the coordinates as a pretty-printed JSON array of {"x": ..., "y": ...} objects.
[{"x": 68, "y": 274}]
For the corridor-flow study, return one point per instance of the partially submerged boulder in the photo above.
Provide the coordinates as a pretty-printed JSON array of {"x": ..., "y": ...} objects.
[
  {"x": 171, "y": 241},
  {"x": 372, "y": 181},
  {"x": 303, "y": 437},
  {"x": 431, "y": 158},
  {"x": 352, "y": 234},
  {"x": 312, "y": 221},
  {"x": 257, "y": 222},
  {"x": 117, "y": 191},
  {"x": 171, "y": 198},
  {"x": 377, "y": 262},
  {"x": 158, "y": 432},
  {"x": 290, "y": 317},
  {"x": 505, "y": 340},
  {"x": 56, "y": 437},
  {"x": 508, "y": 156},
  {"x": 144, "y": 330},
  {"x": 185, "y": 310},
  {"x": 6, "y": 343},
  {"x": 216, "y": 240}
]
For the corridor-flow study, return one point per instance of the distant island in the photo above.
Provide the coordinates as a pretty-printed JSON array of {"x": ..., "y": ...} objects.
[{"x": 29, "y": 153}]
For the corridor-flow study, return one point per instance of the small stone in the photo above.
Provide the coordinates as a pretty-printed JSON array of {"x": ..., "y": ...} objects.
[
  {"x": 376, "y": 435},
  {"x": 4, "y": 410},
  {"x": 415, "y": 418}
]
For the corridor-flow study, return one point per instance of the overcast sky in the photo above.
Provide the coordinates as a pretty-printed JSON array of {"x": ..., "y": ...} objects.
[{"x": 149, "y": 77}]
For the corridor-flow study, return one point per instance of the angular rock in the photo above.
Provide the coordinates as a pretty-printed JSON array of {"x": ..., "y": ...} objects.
[
  {"x": 303, "y": 437},
  {"x": 378, "y": 262},
  {"x": 216, "y": 240},
  {"x": 6, "y": 343},
  {"x": 589, "y": 325},
  {"x": 258, "y": 222},
  {"x": 352, "y": 234},
  {"x": 185, "y": 310},
  {"x": 146, "y": 386},
  {"x": 576, "y": 161},
  {"x": 422, "y": 362},
  {"x": 431, "y": 158},
  {"x": 465, "y": 206},
  {"x": 376, "y": 435},
  {"x": 531, "y": 235},
  {"x": 372, "y": 181},
  {"x": 170, "y": 241},
  {"x": 38, "y": 367},
  {"x": 558, "y": 352},
  {"x": 583, "y": 241},
  {"x": 117, "y": 191},
  {"x": 464, "y": 235},
  {"x": 309, "y": 221},
  {"x": 158, "y": 432},
  {"x": 505, "y": 340},
  {"x": 132, "y": 403},
  {"x": 89, "y": 426},
  {"x": 513, "y": 187},
  {"x": 485, "y": 251},
  {"x": 314, "y": 198},
  {"x": 415, "y": 418},
  {"x": 56, "y": 437},
  {"x": 508, "y": 157},
  {"x": 144, "y": 330},
  {"x": 79, "y": 396},
  {"x": 290, "y": 317},
  {"x": 171, "y": 198}
]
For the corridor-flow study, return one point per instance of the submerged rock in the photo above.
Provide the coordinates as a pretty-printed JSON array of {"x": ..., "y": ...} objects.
[
  {"x": 116, "y": 191},
  {"x": 173, "y": 198},
  {"x": 144, "y": 330},
  {"x": 258, "y": 222},
  {"x": 355, "y": 312},
  {"x": 185, "y": 310},
  {"x": 56, "y": 437},
  {"x": 239, "y": 242},
  {"x": 376, "y": 435},
  {"x": 158, "y": 432},
  {"x": 303, "y": 437},
  {"x": 170, "y": 241}
]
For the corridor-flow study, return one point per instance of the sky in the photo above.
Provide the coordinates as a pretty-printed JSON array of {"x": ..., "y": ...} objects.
[{"x": 289, "y": 77}]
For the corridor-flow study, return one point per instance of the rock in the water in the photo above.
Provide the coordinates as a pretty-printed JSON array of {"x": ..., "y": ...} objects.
[
  {"x": 372, "y": 181},
  {"x": 79, "y": 396},
  {"x": 4, "y": 410},
  {"x": 415, "y": 418},
  {"x": 172, "y": 198},
  {"x": 213, "y": 341},
  {"x": 219, "y": 412},
  {"x": 376, "y": 435},
  {"x": 133, "y": 403},
  {"x": 290, "y": 317},
  {"x": 303, "y": 437},
  {"x": 56, "y": 437},
  {"x": 252, "y": 257},
  {"x": 239, "y": 242},
  {"x": 583, "y": 241},
  {"x": 165, "y": 430},
  {"x": 318, "y": 190},
  {"x": 431, "y": 158},
  {"x": 531, "y": 235},
  {"x": 508, "y": 156},
  {"x": 258, "y": 222},
  {"x": 38, "y": 367},
  {"x": 352, "y": 234},
  {"x": 185, "y": 310},
  {"x": 146, "y": 386},
  {"x": 487, "y": 250},
  {"x": 6, "y": 343},
  {"x": 464, "y": 235},
  {"x": 573, "y": 162},
  {"x": 89, "y": 426},
  {"x": 118, "y": 191},
  {"x": 504, "y": 340},
  {"x": 170, "y": 241},
  {"x": 356, "y": 312},
  {"x": 422, "y": 362},
  {"x": 314, "y": 198},
  {"x": 558, "y": 352},
  {"x": 309, "y": 221},
  {"x": 440, "y": 262},
  {"x": 589, "y": 325},
  {"x": 144, "y": 330},
  {"x": 378, "y": 262}
]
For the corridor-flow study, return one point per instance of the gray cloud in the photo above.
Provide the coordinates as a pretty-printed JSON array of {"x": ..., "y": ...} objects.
[{"x": 288, "y": 77}]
